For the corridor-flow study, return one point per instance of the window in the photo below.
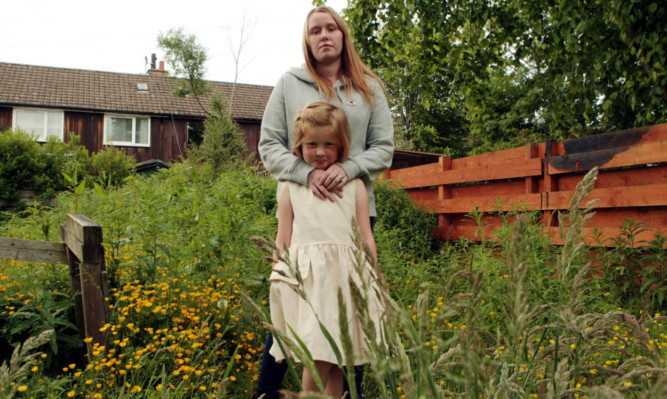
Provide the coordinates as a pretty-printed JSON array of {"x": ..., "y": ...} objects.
[
  {"x": 127, "y": 130},
  {"x": 195, "y": 133},
  {"x": 41, "y": 123}
]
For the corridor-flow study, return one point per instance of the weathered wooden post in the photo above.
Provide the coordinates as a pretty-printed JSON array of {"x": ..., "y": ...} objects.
[
  {"x": 83, "y": 238},
  {"x": 444, "y": 193}
]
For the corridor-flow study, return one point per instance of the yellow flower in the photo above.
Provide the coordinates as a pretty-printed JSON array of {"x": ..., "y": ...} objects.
[
  {"x": 23, "y": 388},
  {"x": 158, "y": 387},
  {"x": 71, "y": 394},
  {"x": 627, "y": 384},
  {"x": 232, "y": 378},
  {"x": 34, "y": 369},
  {"x": 202, "y": 388}
]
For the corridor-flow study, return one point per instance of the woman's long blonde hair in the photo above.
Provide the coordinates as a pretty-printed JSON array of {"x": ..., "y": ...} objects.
[{"x": 354, "y": 71}]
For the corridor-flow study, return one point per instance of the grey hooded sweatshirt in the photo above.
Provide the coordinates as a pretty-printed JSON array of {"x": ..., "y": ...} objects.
[{"x": 372, "y": 130}]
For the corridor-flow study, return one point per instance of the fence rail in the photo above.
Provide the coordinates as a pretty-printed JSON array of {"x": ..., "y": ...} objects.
[
  {"x": 632, "y": 183},
  {"x": 82, "y": 251}
]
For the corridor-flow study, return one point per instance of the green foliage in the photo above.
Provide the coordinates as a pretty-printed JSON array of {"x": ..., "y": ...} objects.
[
  {"x": 402, "y": 222},
  {"x": 223, "y": 142},
  {"x": 111, "y": 166},
  {"x": 636, "y": 269},
  {"x": 15, "y": 371},
  {"x": 186, "y": 58},
  {"x": 27, "y": 165},
  {"x": 59, "y": 158},
  {"x": 39, "y": 300},
  {"x": 19, "y": 163},
  {"x": 497, "y": 71},
  {"x": 511, "y": 316},
  {"x": 56, "y": 166}
]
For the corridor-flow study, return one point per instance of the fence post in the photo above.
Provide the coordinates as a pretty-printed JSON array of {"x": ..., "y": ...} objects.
[
  {"x": 550, "y": 183},
  {"x": 83, "y": 238},
  {"x": 444, "y": 192},
  {"x": 531, "y": 181}
]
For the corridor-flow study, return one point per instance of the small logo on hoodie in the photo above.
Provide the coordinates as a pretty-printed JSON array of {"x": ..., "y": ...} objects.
[{"x": 352, "y": 102}]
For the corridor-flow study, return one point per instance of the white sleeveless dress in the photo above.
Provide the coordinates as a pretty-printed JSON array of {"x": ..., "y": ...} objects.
[{"x": 322, "y": 248}]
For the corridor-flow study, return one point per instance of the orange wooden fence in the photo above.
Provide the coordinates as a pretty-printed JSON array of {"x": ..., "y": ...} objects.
[{"x": 632, "y": 183}]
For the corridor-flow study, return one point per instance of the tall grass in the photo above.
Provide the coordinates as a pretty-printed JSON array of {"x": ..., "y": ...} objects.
[
  {"x": 549, "y": 343},
  {"x": 516, "y": 317}
]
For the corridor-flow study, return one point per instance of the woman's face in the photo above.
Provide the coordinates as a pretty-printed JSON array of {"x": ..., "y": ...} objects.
[{"x": 324, "y": 38}]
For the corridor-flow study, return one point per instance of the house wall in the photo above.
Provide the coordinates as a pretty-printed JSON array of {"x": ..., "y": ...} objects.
[
  {"x": 90, "y": 126},
  {"x": 251, "y": 131},
  {"x": 164, "y": 143},
  {"x": 168, "y": 139},
  {"x": 5, "y": 118}
]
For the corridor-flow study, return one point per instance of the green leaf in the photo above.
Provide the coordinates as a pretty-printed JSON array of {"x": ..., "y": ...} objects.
[
  {"x": 80, "y": 188},
  {"x": 100, "y": 191}
]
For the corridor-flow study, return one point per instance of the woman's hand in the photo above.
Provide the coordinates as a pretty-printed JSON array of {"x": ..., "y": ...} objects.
[
  {"x": 334, "y": 178},
  {"x": 326, "y": 183}
]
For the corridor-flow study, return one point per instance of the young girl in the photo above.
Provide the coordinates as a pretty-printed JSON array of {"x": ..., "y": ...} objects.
[{"x": 319, "y": 237}]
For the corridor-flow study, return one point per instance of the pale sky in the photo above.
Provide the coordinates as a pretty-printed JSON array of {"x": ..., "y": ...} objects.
[{"x": 120, "y": 36}]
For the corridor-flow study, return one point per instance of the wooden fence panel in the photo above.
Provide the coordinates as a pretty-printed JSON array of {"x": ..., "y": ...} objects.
[
  {"x": 632, "y": 183},
  {"x": 84, "y": 239},
  {"x": 82, "y": 250},
  {"x": 33, "y": 251}
]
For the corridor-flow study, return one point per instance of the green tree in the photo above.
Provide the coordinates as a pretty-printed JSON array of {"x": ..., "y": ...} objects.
[
  {"x": 222, "y": 142},
  {"x": 498, "y": 72},
  {"x": 407, "y": 45},
  {"x": 186, "y": 57}
]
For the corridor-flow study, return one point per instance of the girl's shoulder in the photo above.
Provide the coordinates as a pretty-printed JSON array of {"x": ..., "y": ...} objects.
[{"x": 358, "y": 184}]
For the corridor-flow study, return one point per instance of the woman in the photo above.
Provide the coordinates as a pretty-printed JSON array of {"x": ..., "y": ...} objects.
[{"x": 333, "y": 72}]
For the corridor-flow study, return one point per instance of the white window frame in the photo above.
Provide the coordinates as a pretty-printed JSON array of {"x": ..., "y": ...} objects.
[
  {"x": 132, "y": 143},
  {"x": 45, "y": 112}
]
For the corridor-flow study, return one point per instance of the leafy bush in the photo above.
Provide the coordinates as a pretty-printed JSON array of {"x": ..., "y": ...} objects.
[
  {"x": 27, "y": 165},
  {"x": 20, "y": 162},
  {"x": 111, "y": 166},
  {"x": 59, "y": 158},
  {"x": 401, "y": 219},
  {"x": 637, "y": 270}
]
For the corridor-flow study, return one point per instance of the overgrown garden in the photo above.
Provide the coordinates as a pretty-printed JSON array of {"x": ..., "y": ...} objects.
[
  {"x": 516, "y": 317},
  {"x": 512, "y": 316}
]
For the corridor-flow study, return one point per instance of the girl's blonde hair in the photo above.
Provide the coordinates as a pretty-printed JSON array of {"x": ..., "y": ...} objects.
[
  {"x": 354, "y": 71},
  {"x": 322, "y": 114}
]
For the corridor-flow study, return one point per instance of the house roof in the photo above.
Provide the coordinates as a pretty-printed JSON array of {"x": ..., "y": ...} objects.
[{"x": 77, "y": 89}]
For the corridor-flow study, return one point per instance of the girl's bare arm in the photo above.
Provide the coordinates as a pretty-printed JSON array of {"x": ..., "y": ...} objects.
[
  {"x": 285, "y": 219},
  {"x": 363, "y": 218}
]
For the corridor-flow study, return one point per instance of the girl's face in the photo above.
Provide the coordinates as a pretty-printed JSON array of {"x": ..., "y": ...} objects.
[
  {"x": 320, "y": 147},
  {"x": 324, "y": 38}
]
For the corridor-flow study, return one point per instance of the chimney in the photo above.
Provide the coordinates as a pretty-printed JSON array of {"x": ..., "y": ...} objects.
[{"x": 156, "y": 72}]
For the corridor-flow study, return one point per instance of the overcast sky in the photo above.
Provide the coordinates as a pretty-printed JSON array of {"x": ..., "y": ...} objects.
[{"x": 120, "y": 36}]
